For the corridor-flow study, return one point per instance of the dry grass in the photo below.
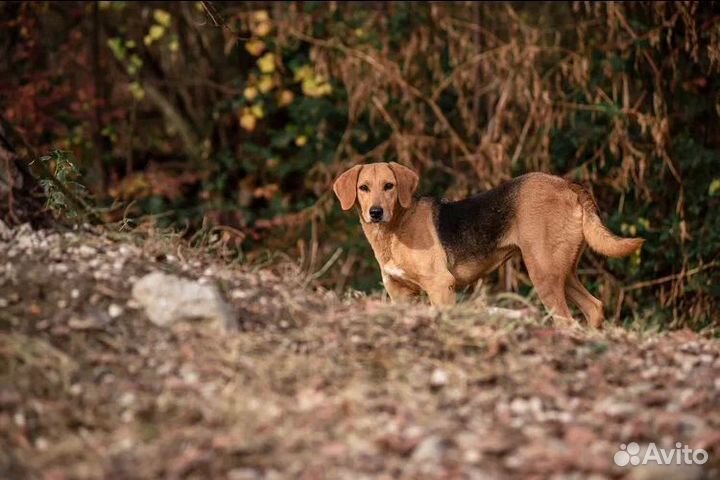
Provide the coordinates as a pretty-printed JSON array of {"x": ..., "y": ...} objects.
[{"x": 314, "y": 386}]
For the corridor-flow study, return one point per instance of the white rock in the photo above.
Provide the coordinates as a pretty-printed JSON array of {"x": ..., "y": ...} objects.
[
  {"x": 507, "y": 313},
  {"x": 430, "y": 450},
  {"x": 168, "y": 299},
  {"x": 19, "y": 418},
  {"x": 115, "y": 310},
  {"x": 86, "y": 251},
  {"x": 242, "y": 294},
  {"x": 41, "y": 444},
  {"x": 243, "y": 474},
  {"x": 438, "y": 378},
  {"x": 127, "y": 399}
]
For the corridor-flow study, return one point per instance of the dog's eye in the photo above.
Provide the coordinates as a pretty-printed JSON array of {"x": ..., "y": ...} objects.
[
  {"x": 388, "y": 186},
  {"x": 364, "y": 188}
]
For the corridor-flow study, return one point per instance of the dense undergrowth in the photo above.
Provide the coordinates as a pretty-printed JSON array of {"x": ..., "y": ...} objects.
[{"x": 232, "y": 119}]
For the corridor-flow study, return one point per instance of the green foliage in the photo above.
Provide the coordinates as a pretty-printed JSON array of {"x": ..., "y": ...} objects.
[{"x": 66, "y": 196}]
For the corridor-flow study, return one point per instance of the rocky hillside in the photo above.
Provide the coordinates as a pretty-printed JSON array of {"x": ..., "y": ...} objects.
[{"x": 133, "y": 356}]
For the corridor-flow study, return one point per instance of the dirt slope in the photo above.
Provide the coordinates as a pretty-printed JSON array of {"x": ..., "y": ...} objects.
[{"x": 312, "y": 386}]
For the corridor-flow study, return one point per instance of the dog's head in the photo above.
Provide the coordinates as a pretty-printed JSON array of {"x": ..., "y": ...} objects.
[{"x": 377, "y": 188}]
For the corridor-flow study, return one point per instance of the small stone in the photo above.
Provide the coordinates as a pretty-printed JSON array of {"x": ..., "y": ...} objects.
[
  {"x": 241, "y": 294},
  {"x": 188, "y": 374},
  {"x": 19, "y": 418},
  {"x": 429, "y": 450},
  {"x": 3, "y": 303},
  {"x": 86, "y": 251},
  {"x": 115, "y": 310},
  {"x": 127, "y": 399},
  {"x": 84, "y": 323},
  {"x": 243, "y": 474},
  {"x": 60, "y": 268},
  {"x": 74, "y": 293},
  {"x": 439, "y": 378}
]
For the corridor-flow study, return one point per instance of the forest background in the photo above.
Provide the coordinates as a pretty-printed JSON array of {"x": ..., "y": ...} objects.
[{"x": 229, "y": 121}]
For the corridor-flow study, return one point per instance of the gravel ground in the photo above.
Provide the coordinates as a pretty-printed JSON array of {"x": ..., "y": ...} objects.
[{"x": 308, "y": 385}]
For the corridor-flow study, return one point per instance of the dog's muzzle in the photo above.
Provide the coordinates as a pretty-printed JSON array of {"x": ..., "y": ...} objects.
[{"x": 376, "y": 214}]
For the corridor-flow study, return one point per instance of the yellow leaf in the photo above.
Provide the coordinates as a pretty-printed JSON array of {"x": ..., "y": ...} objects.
[
  {"x": 248, "y": 121},
  {"x": 250, "y": 93},
  {"x": 266, "y": 63},
  {"x": 266, "y": 83},
  {"x": 262, "y": 29},
  {"x": 255, "y": 47},
  {"x": 303, "y": 72},
  {"x": 285, "y": 98},
  {"x": 156, "y": 32},
  {"x": 257, "y": 110},
  {"x": 309, "y": 87},
  {"x": 325, "y": 89},
  {"x": 136, "y": 91},
  {"x": 261, "y": 16},
  {"x": 174, "y": 45},
  {"x": 315, "y": 87},
  {"x": 714, "y": 187},
  {"x": 162, "y": 17},
  {"x": 301, "y": 140}
]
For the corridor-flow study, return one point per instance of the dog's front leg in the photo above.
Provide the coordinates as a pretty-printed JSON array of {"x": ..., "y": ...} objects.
[
  {"x": 441, "y": 290},
  {"x": 399, "y": 292}
]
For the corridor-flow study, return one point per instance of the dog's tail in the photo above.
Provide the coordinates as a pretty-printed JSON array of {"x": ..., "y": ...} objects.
[{"x": 597, "y": 235}]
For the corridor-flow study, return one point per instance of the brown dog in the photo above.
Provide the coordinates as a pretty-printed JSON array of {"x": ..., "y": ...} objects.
[{"x": 436, "y": 246}]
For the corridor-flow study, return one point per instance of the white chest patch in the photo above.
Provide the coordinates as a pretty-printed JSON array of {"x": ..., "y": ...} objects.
[{"x": 393, "y": 271}]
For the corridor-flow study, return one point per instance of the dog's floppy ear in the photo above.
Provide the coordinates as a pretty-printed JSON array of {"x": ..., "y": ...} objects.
[
  {"x": 345, "y": 187},
  {"x": 407, "y": 182}
]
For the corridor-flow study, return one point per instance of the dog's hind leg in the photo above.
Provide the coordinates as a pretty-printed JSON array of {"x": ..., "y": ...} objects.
[
  {"x": 549, "y": 278},
  {"x": 591, "y": 307}
]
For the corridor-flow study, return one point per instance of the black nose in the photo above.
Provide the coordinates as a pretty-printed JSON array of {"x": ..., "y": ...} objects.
[{"x": 376, "y": 213}]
